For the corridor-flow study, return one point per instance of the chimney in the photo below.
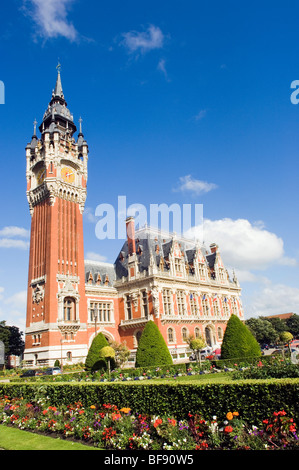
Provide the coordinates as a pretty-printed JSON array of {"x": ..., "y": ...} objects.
[
  {"x": 213, "y": 248},
  {"x": 130, "y": 226}
]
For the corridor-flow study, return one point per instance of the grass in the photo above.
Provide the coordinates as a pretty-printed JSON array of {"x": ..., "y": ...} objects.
[{"x": 16, "y": 439}]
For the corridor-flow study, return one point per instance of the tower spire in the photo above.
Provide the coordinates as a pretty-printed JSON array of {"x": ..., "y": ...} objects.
[{"x": 58, "y": 87}]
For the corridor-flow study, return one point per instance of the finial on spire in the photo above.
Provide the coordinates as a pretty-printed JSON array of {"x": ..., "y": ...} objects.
[
  {"x": 80, "y": 123},
  {"x": 34, "y": 128}
]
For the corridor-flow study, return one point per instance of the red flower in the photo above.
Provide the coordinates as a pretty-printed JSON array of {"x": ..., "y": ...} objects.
[
  {"x": 228, "y": 429},
  {"x": 157, "y": 422}
]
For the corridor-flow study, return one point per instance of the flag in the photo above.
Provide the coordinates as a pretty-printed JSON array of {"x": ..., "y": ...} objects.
[
  {"x": 204, "y": 297},
  {"x": 215, "y": 297}
]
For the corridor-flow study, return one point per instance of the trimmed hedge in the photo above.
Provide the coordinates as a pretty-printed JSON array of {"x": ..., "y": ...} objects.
[{"x": 254, "y": 400}]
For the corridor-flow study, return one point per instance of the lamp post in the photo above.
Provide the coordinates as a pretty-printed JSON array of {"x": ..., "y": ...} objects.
[{"x": 61, "y": 365}]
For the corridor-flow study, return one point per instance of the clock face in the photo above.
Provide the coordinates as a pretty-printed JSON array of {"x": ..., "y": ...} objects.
[
  {"x": 41, "y": 175},
  {"x": 67, "y": 174}
]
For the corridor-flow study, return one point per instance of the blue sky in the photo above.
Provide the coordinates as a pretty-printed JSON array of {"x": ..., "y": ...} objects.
[{"x": 182, "y": 102}]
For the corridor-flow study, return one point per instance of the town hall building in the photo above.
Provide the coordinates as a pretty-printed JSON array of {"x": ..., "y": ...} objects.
[{"x": 181, "y": 286}]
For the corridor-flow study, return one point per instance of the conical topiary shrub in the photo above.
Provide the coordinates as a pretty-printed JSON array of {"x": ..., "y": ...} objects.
[
  {"x": 93, "y": 361},
  {"x": 238, "y": 341},
  {"x": 152, "y": 349}
]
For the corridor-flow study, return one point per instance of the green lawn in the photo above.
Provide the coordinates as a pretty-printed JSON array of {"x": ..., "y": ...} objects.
[{"x": 15, "y": 439}]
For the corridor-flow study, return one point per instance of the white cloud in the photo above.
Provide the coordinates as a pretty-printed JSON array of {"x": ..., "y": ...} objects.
[
  {"x": 273, "y": 299},
  {"x": 162, "y": 67},
  {"x": 89, "y": 215},
  {"x": 50, "y": 16},
  {"x": 143, "y": 42},
  {"x": 202, "y": 113},
  {"x": 91, "y": 255},
  {"x": 13, "y": 231},
  {"x": 243, "y": 245},
  {"x": 187, "y": 183},
  {"x": 11, "y": 243},
  {"x": 17, "y": 300}
]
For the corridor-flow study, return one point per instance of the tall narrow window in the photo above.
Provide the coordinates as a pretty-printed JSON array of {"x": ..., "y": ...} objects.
[
  {"x": 145, "y": 303},
  {"x": 205, "y": 304},
  {"x": 129, "y": 307},
  {"x": 193, "y": 304},
  {"x": 69, "y": 309},
  {"x": 167, "y": 304},
  {"x": 181, "y": 302}
]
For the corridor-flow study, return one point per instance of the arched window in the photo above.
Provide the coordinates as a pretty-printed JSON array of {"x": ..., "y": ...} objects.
[
  {"x": 138, "y": 336},
  {"x": 184, "y": 334},
  {"x": 197, "y": 332},
  {"x": 69, "y": 309},
  {"x": 220, "y": 332}
]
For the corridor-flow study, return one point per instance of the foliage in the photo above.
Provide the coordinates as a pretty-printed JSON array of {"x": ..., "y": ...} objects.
[
  {"x": 255, "y": 398},
  {"x": 152, "y": 349},
  {"x": 263, "y": 330},
  {"x": 277, "y": 369},
  {"x": 93, "y": 361},
  {"x": 107, "y": 352},
  {"x": 293, "y": 325},
  {"x": 120, "y": 427},
  {"x": 122, "y": 353},
  {"x": 285, "y": 337},
  {"x": 238, "y": 341},
  {"x": 12, "y": 339}
]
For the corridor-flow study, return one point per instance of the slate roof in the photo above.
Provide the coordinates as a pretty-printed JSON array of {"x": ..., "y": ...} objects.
[
  {"x": 154, "y": 245},
  {"x": 99, "y": 270}
]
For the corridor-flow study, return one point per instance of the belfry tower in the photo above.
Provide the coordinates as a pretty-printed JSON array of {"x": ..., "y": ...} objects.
[{"x": 56, "y": 173}]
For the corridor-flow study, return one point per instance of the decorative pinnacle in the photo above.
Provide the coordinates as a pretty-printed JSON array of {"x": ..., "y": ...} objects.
[
  {"x": 34, "y": 124},
  {"x": 80, "y": 122}
]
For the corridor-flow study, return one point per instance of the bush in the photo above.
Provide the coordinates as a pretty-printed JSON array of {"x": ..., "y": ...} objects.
[
  {"x": 152, "y": 349},
  {"x": 238, "y": 341},
  {"x": 93, "y": 361}
]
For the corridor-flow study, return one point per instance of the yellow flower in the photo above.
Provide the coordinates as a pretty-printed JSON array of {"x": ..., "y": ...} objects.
[
  {"x": 229, "y": 415},
  {"x": 125, "y": 410},
  {"x": 92, "y": 407}
]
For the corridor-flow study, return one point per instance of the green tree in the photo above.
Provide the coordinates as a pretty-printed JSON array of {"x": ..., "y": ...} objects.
[
  {"x": 293, "y": 325},
  {"x": 286, "y": 337},
  {"x": 196, "y": 345},
  {"x": 107, "y": 353},
  {"x": 277, "y": 323},
  {"x": 238, "y": 341},
  {"x": 152, "y": 349},
  {"x": 263, "y": 330},
  {"x": 93, "y": 361},
  {"x": 122, "y": 353},
  {"x": 12, "y": 339}
]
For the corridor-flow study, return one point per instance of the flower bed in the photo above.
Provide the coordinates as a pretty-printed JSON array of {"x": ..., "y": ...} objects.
[{"x": 111, "y": 427}]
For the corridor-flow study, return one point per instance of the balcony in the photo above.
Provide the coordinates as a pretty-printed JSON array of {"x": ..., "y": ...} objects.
[{"x": 134, "y": 322}]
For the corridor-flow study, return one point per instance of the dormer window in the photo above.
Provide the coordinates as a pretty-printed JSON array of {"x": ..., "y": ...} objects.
[{"x": 178, "y": 266}]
